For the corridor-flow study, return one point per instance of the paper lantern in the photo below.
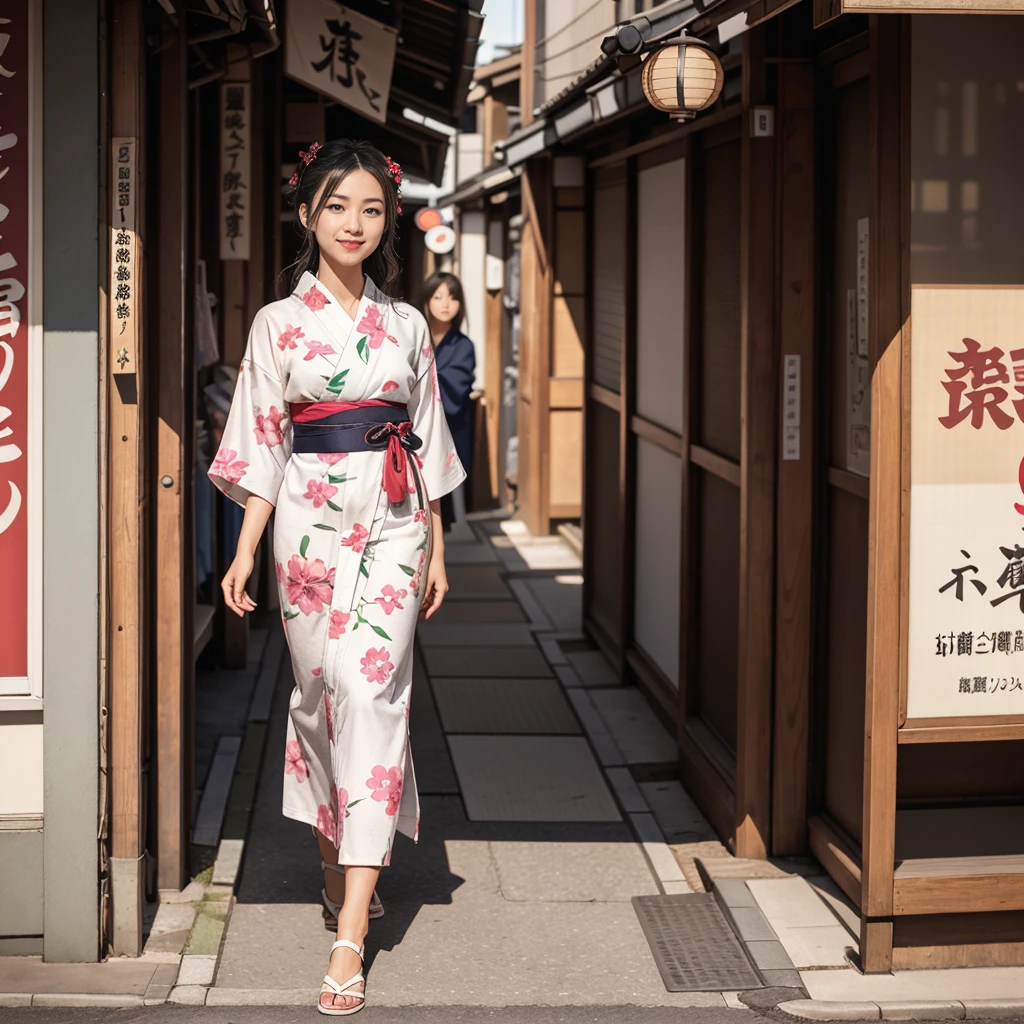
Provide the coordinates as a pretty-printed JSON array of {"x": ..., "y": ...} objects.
[{"x": 683, "y": 78}]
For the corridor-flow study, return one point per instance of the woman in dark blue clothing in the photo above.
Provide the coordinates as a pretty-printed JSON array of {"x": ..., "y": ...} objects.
[{"x": 455, "y": 358}]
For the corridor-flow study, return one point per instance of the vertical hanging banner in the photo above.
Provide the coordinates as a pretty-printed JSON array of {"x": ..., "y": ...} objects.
[
  {"x": 15, "y": 196},
  {"x": 124, "y": 246},
  {"x": 344, "y": 55},
  {"x": 235, "y": 170},
  {"x": 966, "y": 630}
]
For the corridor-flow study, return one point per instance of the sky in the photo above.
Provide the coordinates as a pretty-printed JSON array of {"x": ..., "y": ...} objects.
[{"x": 503, "y": 25}]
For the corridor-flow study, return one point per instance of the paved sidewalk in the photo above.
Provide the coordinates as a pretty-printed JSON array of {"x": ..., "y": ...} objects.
[{"x": 518, "y": 891}]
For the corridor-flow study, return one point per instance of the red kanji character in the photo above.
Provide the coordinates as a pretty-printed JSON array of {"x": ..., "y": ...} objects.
[{"x": 987, "y": 370}]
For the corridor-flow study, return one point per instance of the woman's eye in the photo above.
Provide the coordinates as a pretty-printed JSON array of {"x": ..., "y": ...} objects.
[
  {"x": 373, "y": 209},
  {"x": 334, "y": 207}
]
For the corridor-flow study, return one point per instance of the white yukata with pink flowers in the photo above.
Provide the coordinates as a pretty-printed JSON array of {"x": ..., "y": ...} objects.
[{"x": 350, "y": 564}]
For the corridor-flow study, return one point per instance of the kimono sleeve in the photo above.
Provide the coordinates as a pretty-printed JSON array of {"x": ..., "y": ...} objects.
[
  {"x": 456, "y": 377},
  {"x": 257, "y": 438},
  {"x": 440, "y": 467}
]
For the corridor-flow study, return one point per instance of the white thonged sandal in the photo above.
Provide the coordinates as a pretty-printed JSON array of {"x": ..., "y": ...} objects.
[
  {"x": 331, "y": 988},
  {"x": 332, "y": 909}
]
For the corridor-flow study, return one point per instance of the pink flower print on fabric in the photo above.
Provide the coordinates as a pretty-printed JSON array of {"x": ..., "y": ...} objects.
[
  {"x": 317, "y": 348},
  {"x": 326, "y": 822},
  {"x": 389, "y": 385},
  {"x": 433, "y": 382},
  {"x": 287, "y": 337},
  {"x": 356, "y": 538},
  {"x": 339, "y": 620},
  {"x": 420, "y": 515},
  {"x": 386, "y": 784},
  {"x": 228, "y": 466},
  {"x": 390, "y": 598},
  {"x": 319, "y": 492},
  {"x": 268, "y": 428},
  {"x": 332, "y": 458},
  {"x": 450, "y": 461},
  {"x": 414, "y": 583},
  {"x": 315, "y": 299},
  {"x": 372, "y": 324},
  {"x": 293, "y": 762},
  {"x": 328, "y": 716},
  {"x": 377, "y": 665},
  {"x": 279, "y": 569},
  {"x": 309, "y": 584}
]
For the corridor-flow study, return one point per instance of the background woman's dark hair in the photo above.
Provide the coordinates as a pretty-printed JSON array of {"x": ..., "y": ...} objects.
[
  {"x": 434, "y": 282},
  {"x": 334, "y": 160}
]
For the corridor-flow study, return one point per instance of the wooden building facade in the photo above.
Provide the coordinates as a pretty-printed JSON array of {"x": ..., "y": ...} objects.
[{"x": 766, "y": 511}]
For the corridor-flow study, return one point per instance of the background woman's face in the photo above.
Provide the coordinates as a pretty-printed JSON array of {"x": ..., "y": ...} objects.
[
  {"x": 352, "y": 221},
  {"x": 443, "y": 307}
]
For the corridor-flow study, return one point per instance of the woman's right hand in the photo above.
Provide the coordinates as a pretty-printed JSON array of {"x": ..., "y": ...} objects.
[{"x": 234, "y": 582}]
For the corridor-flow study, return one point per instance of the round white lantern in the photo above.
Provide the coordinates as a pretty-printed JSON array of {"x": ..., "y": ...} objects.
[{"x": 682, "y": 78}]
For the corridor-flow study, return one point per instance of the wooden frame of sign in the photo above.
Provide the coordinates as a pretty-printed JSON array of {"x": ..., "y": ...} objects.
[{"x": 827, "y": 10}]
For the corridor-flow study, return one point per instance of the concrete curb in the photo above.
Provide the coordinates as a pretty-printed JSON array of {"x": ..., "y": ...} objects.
[{"x": 922, "y": 1009}]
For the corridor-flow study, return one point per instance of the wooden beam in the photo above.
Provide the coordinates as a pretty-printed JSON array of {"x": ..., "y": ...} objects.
[
  {"x": 888, "y": 305},
  {"x": 127, "y": 597},
  {"x": 759, "y": 427},
  {"x": 796, "y": 477},
  {"x": 174, "y": 600}
]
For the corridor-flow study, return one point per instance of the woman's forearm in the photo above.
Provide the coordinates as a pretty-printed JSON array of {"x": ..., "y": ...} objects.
[
  {"x": 436, "y": 530},
  {"x": 257, "y": 515}
]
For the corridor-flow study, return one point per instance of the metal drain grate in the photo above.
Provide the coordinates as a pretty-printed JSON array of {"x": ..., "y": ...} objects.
[{"x": 693, "y": 945}]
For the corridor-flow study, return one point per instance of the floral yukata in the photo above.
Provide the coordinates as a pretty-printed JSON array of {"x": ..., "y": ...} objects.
[{"x": 351, "y": 565}]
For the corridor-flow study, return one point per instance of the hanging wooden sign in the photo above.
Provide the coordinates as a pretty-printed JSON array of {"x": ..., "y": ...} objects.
[
  {"x": 124, "y": 257},
  {"x": 235, "y": 171}
]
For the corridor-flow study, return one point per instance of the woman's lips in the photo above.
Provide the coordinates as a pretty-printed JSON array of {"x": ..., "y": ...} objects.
[{"x": 350, "y": 245}]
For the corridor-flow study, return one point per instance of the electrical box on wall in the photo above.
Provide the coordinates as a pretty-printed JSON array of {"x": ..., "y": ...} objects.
[{"x": 762, "y": 121}]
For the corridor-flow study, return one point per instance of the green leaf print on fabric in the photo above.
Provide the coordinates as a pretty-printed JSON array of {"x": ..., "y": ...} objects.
[
  {"x": 291, "y": 615},
  {"x": 407, "y": 569},
  {"x": 354, "y": 802},
  {"x": 337, "y": 382},
  {"x": 331, "y": 505},
  {"x": 341, "y": 478},
  {"x": 324, "y": 526},
  {"x": 363, "y": 349},
  {"x": 379, "y": 631},
  {"x": 304, "y": 546}
]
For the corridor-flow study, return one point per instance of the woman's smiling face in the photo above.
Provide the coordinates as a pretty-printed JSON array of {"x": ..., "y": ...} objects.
[{"x": 352, "y": 220}]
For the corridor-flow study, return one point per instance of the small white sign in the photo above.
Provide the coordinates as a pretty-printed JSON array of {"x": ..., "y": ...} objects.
[
  {"x": 344, "y": 55},
  {"x": 235, "y": 171},
  {"x": 440, "y": 239},
  {"x": 494, "y": 273},
  {"x": 791, "y": 408},
  {"x": 124, "y": 255},
  {"x": 858, "y": 396},
  {"x": 762, "y": 121}
]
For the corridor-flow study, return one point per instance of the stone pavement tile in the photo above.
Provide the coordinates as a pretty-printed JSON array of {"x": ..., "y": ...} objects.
[
  {"x": 531, "y": 778},
  {"x": 633, "y": 725},
  {"x": 812, "y": 1009},
  {"x": 626, "y": 789},
  {"x": 816, "y": 947},
  {"x": 785, "y": 978},
  {"x": 993, "y": 1009},
  {"x": 840, "y": 904},
  {"x": 535, "y": 706},
  {"x": 197, "y": 969},
  {"x": 476, "y": 582},
  {"x": 567, "y": 675},
  {"x": 514, "y": 954},
  {"x": 208, "y": 930},
  {"x": 506, "y": 662},
  {"x": 572, "y": 872},
  {"x": 769, "y": 955},
  {"x": 960, "y": 983},
  {"x": 656, "y": 850},
  {"x": 113, "y": 977},
  {"x": 434, "y": 771},
  {"x": 189, "y": 995},
  {"x": 593, "y": 668},
  {"x": 735, "y": 894},
  {"x": 15, "y": 998},
  {"x": 473, "y": 612},
  {"x": 160, "y": 987},
  {"x": 170, "y": 928},
  {"x": 96, "y": 999},
  {"x": 751, "y": 924},
  {"x": 922, "y": 1009},
  {"x": 475, "y": 634},
  {"x": 468, "y": 553},
  {"x": 676, "y": 813},
  {"x": 790, "y": 903},
  {"x": 561, "y": 597}
]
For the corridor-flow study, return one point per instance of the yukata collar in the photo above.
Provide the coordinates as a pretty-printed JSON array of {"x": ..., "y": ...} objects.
[{"x": 308, "y": 280}]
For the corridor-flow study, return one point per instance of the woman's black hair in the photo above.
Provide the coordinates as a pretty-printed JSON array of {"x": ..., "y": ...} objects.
[
  {"x": 332, "y": 162},
  {"x": 434, "y": 282}
]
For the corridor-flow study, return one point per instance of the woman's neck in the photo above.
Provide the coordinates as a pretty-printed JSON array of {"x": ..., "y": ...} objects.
[
  {"x": 438, "y": 328},
  {"x": 345, "y": 283}
]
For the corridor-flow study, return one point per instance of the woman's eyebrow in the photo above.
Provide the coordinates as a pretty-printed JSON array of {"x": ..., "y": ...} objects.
[{"x": 338, "y": 195}]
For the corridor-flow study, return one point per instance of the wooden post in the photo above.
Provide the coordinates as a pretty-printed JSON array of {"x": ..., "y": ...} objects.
[
  {"x": 173, "y": 491},
  {"x": 889, "y": 303},
  {"x": 127, "y": 600},
  {"x": 759, "y": 404},
  {"x": 528, "y": 65},
  {"x": 795, "y": 506}
]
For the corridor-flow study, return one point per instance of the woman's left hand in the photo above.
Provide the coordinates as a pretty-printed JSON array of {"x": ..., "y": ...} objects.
[{"x": 436, "y": 587}]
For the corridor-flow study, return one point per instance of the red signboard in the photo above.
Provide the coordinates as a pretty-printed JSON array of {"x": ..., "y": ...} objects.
[{"x": 14, "y": 338}]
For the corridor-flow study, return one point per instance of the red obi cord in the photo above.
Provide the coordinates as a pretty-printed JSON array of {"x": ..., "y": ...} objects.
[{"x": 310, "y": 412}]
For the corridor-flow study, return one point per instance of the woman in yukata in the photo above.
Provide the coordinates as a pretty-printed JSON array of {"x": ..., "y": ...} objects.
[
  {"x": 456, "y": 366},
  {"x": 337, "y": 422}
]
